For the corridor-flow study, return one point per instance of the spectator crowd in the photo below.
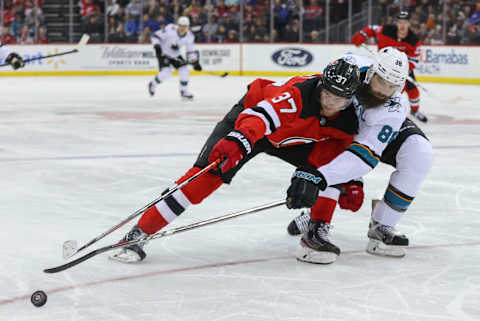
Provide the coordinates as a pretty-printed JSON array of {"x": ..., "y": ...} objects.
[
  {"x": 440, "y": 22},
  {"x": 23, "y": 22},
  {"x": 449, "y": 22},
  {"x": 211, "y": 20}
]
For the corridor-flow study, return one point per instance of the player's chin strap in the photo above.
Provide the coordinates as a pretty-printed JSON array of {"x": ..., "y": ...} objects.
[
  {"x": 70, "y": 247},
  {"x": 413, "y": 81}
]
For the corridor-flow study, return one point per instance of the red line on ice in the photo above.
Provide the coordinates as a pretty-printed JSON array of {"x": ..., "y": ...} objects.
[{"x": 201, "y": 267}]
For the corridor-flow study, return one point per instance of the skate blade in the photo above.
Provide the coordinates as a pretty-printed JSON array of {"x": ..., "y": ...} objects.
[
  {"x": 187, "y": 98},
  {"x": 306, "y": 254},
  {"x": 151, "y": 90},
  {"x": 379, "y": 248},
  {"x": 125, "y": 256}
]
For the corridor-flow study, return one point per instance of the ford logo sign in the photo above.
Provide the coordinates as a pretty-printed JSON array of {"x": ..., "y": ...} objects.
[{"x": 292, "y": 57}]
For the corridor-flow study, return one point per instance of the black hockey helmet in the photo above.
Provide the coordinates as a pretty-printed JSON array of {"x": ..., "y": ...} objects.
[
  {"x": 341, "y": 78},
  {"x": 403, "y": 15}
]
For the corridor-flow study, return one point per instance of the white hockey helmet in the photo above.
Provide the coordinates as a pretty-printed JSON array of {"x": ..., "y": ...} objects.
[
  {"x": 390, "y": 64},
  {"x": 183, "y": 21}
]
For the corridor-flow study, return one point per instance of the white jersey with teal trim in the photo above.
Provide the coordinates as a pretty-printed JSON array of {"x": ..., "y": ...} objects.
[
  {"x": 171, "y": 42},
  {"x": 377, "y": 128}
]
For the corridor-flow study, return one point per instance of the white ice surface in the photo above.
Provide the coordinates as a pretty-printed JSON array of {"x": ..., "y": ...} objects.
[{"x": 77, "y": 155}]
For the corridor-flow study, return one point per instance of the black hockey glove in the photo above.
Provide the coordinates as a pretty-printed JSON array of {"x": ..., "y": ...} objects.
[
  {"x": 304, "y": 187},
  {"x": 197, "y": 67},
  {"x": 163, "y": 61},
  {"x": 178, "y": 62},
  {"x": 15, "y": 61},
  {"x": 174, "y": 46}
]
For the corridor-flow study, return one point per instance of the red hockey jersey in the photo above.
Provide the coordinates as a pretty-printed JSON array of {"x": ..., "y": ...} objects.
[
  {"x": 386, "y": 36},
  {"x": 288, "y": 113}
]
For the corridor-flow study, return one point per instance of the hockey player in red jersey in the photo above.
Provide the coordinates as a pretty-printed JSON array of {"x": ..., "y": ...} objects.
[
  {"x": 305, "y": 120},
  {"x": 399, "y": 36}
]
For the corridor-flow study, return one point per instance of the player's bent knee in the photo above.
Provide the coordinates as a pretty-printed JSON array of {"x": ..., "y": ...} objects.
[{"x": 424, "y": 156}]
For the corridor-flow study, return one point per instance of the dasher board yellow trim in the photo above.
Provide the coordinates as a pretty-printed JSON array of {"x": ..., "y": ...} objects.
[
  {"x": 146, "y": 73},
  {"x": 80, "y": 73},
  {"x": 466, "y": 81},
  {"x": 448, "y": 80}
]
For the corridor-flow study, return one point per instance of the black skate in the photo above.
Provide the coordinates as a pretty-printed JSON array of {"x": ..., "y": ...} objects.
[
  {"x": 186, "y": 95},
  {"x": 299, "y": 224},
  {"x": 385, "y": 241},
  {"x": 315, "y": 247},
  {"x": 151, "y": 88},
  {"x": 133, "y": 253},
  {"x": 419, "y": 115}
]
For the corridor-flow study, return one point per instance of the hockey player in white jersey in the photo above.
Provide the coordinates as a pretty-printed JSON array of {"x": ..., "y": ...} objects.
[
  {"x": 167, "y": 43},
  {"x": 11, "y": 57},
  {"x": 383, "y": 130}
]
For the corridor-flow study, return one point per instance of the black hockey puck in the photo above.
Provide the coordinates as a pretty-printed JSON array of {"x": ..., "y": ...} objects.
[{"x": 38, "y": 298}]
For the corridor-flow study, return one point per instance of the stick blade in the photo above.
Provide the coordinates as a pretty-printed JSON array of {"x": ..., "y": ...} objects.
[
  {"x": 83, "y": 41},
  {"x": 69, "y": 248},
  {"x": 224, "y": 75}
]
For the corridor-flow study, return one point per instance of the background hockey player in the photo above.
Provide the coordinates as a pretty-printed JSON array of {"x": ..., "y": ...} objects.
[
  {"x": 383, "y": 130},
  {"x": 167, "y": 43},
  {"x": 399, "y": 36},
  {"x": 305, "y": 121},
  {"x": 11, "y": 57}
]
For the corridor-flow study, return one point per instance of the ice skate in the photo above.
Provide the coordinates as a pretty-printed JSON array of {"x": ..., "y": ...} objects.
[
  {"x": 299, "y": 224},
  {"x": 186, "y": 95},
  {"x": 419, "y": 115},
  {"x": 385, "y": 241},
  {"x": 151, "y": 88},
  {"x": 133, "y": 253},
  {"x": 315, "y": 247}
]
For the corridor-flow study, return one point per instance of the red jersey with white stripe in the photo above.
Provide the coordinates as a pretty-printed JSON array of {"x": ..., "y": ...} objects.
[
  {"x": 288, "y": 113},
  {"x": 386, "y": 36}
]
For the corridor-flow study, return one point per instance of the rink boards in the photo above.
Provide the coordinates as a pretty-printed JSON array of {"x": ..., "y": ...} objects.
[{"x": 450, "y": 64}]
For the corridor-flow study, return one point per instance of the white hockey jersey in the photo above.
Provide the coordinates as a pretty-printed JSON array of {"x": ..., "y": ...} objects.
[
  {"x": 377, "y": 128},
  {"x": 171, "y": 42}
]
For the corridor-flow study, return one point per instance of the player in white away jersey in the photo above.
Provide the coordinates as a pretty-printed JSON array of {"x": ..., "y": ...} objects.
[
  {"x": 167, "y": 43},
  {"x": 11, "y": 57},
  {"x": 385, "y": 134}
]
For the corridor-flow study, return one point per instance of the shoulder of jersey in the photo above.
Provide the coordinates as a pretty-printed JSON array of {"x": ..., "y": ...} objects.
[
  {"x": 362, "y": 62},
  {"x": 170, "y": 27},
  {"x": 390, "y": 31},
  {"x": 394, "y": 109},
  {"x": 412, "y": 38}
]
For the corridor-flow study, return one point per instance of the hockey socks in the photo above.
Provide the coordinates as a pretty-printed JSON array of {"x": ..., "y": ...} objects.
[
  {"x": 325, "y": 206},
  {"x": 167, "y": 210},
  {"x": 414, "y": 98}
]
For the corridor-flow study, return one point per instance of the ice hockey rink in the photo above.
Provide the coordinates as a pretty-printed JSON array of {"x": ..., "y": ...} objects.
[{"x": 79, "y": 154}]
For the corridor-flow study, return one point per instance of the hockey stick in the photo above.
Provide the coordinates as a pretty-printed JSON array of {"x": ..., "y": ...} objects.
[
  {"x": 213, "y": 73},
  {"x": 70, "y": 247},
  {"x": 83, "y": 41},
  {"x": 163, "y": 234},
  {"x": 416, "y": 83}
]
